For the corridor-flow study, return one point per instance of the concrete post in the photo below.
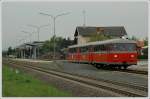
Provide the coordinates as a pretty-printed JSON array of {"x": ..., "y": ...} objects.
[
  {"x": 21, "y": 53},
  {"x": 30, "y": 52},
  {"x": 34, "y": 52},
  {"x": 24, "y": 54}
]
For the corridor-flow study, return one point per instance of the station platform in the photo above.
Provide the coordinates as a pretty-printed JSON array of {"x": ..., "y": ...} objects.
[{"x": 141, "y": 65}]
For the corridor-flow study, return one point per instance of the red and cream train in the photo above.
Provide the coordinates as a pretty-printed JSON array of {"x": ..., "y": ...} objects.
[{"x": 115, "y": 52}]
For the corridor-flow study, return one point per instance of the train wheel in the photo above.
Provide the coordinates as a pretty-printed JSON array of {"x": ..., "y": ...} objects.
[
  {"x": 92, "y": 63},
  {"x": 97, "y": 66},
  {"x": 89, "y": 63},
  {"x": 114, "y": 67},
  {"x": 119, "y": 67},
  {"x": 125, "y": 67},
  {"x": 102, "y": 66}
]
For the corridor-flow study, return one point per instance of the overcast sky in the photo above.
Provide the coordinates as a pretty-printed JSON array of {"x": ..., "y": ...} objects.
[{"x": 17, "y": 15}]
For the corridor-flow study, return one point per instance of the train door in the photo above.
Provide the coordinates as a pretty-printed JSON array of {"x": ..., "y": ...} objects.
[
  {"x": 90, "y": 54},
  {"x": 108, "y": 49},
  {"x": 109, "y": 52},
  {"x": 104, "y": 53},
  {"x": 78, "y": 54}
]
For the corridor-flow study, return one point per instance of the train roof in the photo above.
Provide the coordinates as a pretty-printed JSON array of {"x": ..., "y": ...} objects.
[{"x": 104, "y": 42}]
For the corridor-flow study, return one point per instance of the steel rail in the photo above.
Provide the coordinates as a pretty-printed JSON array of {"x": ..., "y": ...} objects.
[
  {"x": 131, "y": 85},
  {"x": 132, "y": 71}
]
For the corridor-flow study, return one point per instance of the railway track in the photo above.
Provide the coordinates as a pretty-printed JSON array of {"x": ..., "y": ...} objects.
[
  {"x": 134, "y": 71},
  {"x": 120, "y": 89},
  {"x": 133, "y": 85},
  {"x": 124, "y": 70},
  {"x": 127, "y": 71},
  {"x": 118, "y": 70},
  {"x": 119, "y": 83}
]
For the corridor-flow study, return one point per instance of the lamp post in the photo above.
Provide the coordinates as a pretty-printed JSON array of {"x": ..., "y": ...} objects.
[
  {"x": 38, "y": 31},
  {"x": 38, "y": 28},
  {"x": 54, "y": 20},
  {"x": 30, "y": 40},
  {"x": 28, "y": 33},
  {"x": 22, "y": 49}
]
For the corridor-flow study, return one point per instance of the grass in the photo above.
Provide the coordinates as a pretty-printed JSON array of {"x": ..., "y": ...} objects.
[{"x": 19, "y": 84}]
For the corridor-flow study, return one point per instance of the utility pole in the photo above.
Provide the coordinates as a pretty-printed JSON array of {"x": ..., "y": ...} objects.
[
  {"x": 54, "y": 20},
  {"x": 22, "y": 49},
  {"x": 38, "y": 32},
  {"x": 30, "y": 34},
  {"x": 38, "y": 29},
  {"x": 84, "y": 18}
]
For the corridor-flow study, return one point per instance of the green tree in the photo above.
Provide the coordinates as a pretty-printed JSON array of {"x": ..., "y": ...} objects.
[
  {"x": 133, "y": 38},
  {"x": 146, "y": 41},
  {"x": 60, "y": 43},
  {"x": 10, "y": 50}
]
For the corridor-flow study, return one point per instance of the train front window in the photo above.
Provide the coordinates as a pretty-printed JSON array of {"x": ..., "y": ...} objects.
[{"x": 122, "y": 47}]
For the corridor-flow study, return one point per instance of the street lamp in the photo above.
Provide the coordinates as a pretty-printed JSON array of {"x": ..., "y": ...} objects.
[
  {"x": 38, "y": 28},
  {"x": 30, "y": 39},
  {"x": 54, "y": 18},
  {"x": 38, "y": 31},
  {"x": 28, "y": 33},
  {"x": 22, "y": 51}
]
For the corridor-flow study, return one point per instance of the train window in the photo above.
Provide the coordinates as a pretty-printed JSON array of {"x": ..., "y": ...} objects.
[
  {"x": 90, "y": 48},
  {"x": 97, "y": 48},
  {"x": 72, "y": 50},
  {"x": 69, "y": 50},
  {"x": 81, "y": 49},
  {"x": 94, "y": 48},
  {"x": 84, "y": 49},
  {"x": 102, "y": 47},
  {"x": 123, "y": 47},
  {"x": 131, "y": 47},
  {"x": 75, "y": 50},
  {"x": 109, "y": 47}
]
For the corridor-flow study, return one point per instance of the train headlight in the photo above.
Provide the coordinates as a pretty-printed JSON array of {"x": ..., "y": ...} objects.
[
  {"x": 132, "y": 56},
  {"x": 115, "y": 56}
]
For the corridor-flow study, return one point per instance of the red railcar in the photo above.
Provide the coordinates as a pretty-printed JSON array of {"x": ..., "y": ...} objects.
[{"x": 114, "y": 52}]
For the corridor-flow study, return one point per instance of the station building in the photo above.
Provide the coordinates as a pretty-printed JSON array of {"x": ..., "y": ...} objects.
[
  {"x": 29, "y": 50},
  {"x": 84, "y": 33}
]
